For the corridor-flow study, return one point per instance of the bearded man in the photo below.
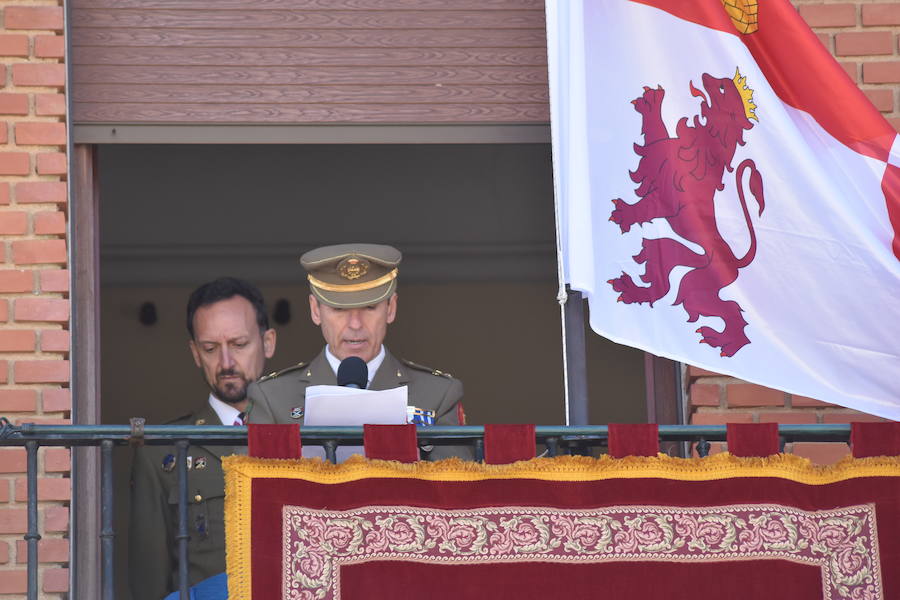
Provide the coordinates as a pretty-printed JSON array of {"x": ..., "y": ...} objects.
[{"x": 230, "y": 340}]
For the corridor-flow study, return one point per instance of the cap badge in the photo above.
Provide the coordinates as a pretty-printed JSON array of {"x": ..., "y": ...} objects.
[
  {"x": 200, "y": 462},
  {"x": 296, "y": 412},
  {"x": 352, "y": 268}
]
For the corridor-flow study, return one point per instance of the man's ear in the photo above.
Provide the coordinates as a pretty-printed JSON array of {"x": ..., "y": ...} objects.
[
  {"x": 269, "y": 338},
  {"x": 314, "y": 310},
  {"x": 392, "y": 308},
  {"x": 195, "y": 352}
]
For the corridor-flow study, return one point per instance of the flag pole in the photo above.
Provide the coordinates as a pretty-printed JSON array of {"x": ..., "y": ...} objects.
[{"x": 571, "y": 303}]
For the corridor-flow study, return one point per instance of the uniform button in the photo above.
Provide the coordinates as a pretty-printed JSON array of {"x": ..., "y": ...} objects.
[{"x": 198, "y": 498}]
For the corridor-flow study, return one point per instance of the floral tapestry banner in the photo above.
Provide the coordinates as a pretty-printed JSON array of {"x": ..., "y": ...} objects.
[{"x": 579, "y": 527}]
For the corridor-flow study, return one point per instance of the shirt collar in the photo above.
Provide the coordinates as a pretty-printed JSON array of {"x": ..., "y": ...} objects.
[
  {"x": 227, "y": 413},
  {"x": 373, "y": 365}
]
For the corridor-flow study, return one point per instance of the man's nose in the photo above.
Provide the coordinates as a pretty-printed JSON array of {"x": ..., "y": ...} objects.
[
  {"x": 226, "y": 358},
  {"x": 355, "y": 321}
]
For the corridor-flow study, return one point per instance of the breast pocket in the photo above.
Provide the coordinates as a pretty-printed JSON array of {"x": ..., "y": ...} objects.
[{"x": 206, "y": 521}]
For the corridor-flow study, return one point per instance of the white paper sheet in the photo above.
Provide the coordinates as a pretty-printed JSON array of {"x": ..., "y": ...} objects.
[{"x": 336, "y": 405}]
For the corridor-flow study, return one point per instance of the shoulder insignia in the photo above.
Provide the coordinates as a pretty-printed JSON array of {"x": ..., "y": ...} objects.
[
  {"x": 275, "y": 374},
  {"x": 419, "y": 367}
]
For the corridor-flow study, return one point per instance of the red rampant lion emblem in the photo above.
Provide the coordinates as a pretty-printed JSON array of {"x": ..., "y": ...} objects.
[{"x": 677, "y": 179}]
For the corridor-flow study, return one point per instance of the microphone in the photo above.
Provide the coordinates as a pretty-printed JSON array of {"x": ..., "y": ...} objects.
[{"x": 353, "y": 373}]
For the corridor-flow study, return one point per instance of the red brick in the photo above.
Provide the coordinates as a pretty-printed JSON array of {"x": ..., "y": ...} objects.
[
  {"x": 2, "y": 83},
  {"x": 4, "y": 553},
  {"x": 4, "y": 371},
  {"x": 37, "y": 134},
  {"x": 17, "y": 340},
  {"x": 14, "y": 582},
  {"x": 55, "y": 280},
  {"x": 57, "y": 460},
  {"x": 4, "y": 309},
  {"x": 52, "y": 550},
  {"x": 18, "y": 401},
  {"x": 50, "y": 105},
  {"x": 13, "y": 104},
  {"x": 56, "y": 580},
  {"x": 825, "y": 40},
  {"x": 41, "y": 309},
  {"x": 788, "y": 417},
  {"x": 895, "y": 123},
  {"x": 851, "y": 69},
  {"x": 56, "y": 400},
  {"x": 32, "y": 192},
  {"x": 42, "y": 371},
  {"x": 49, "y": 222},
  {"x": 39, "y": 74},
  {"x": 704, "y": 394},
  {"x": 881, "y": 72},
  {"x": 881, "y": 14},
  {"x": 4, "y": 491},
  {"x": 49, "y": 488},
  {"x": 33, "y": 17},
  {"x": 863, "y": 43},
  {"x": 849, "y": 417},
  {"x": 802, "y": 401},
  {"x": 821, "y": 453},
  {"x": 12, "y": 460},
  {"x": 14, "y": 223},
  {"x": 13, "y": 45},
  {"x": 12, "y": 520},
  {"x": 56, "y": 518},
  {"x": 33, "y": 252},
  {"x": 15, "y": 163},
  {"x": 51, "y": 163},
  {"x": 4, "y": 187},
  {"x": 49, "y": 46},
  {"x": 721, "y": 418},
  {"x": 698, "y": 372},
  {"x": 54, "y": 340},
  {"x": 828, "y": 15},
  {"x": 748, "y": 394}
]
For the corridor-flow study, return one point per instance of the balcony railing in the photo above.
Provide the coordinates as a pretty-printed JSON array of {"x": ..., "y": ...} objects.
[{"x": 556, "y": 439}]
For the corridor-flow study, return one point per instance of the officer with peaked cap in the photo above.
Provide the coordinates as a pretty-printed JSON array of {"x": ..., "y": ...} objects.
[{"x": 353, "y": 299}]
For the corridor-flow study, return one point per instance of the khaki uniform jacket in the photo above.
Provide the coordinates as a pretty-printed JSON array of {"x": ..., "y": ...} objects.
[
  {"x": 276, "y": 397},
  {"x": 152, "y": 547}
]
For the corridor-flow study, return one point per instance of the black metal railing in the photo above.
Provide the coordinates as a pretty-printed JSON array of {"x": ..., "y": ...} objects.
[{"x": 556, "y": 439}]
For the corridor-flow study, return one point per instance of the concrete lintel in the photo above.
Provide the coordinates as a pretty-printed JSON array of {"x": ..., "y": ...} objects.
[{"x": 113, "y": 133}]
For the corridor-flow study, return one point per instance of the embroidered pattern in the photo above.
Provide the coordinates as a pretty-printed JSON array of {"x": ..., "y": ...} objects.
[{"x": 842, "y": 542}]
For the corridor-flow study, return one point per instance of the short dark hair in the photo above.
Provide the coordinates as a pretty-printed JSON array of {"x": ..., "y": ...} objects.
[{"x": 224, "y": 288}]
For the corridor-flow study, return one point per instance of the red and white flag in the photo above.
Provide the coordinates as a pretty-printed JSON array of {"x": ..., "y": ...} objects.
[{"x": 726, "y": 196}]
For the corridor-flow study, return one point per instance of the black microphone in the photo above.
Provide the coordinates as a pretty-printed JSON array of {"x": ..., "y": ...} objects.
[{"x": 353, "y": 373}]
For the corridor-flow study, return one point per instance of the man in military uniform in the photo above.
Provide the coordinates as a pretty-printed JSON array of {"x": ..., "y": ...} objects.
[
  {"x": 353, "y": 299},
  {"x": 230, "y": 340}
]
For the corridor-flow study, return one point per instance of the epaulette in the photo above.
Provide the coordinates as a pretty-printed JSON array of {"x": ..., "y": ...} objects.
[
  {"x": 275, "y": 374},
  {"x": 419, "y": 367}
]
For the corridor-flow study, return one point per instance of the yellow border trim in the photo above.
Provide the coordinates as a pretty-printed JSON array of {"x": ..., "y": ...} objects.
[
  {"x": 353, "y": 287},
  {"x": 240, "y": 471}
]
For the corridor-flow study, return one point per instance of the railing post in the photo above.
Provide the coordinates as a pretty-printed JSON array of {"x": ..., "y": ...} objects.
[
  {"x": 32, "y": 537},
  {"x": 183, "y": 536},
  {"x": 107, "y": 532}
]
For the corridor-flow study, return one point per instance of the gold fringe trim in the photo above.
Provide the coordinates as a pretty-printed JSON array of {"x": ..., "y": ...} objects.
[{"x": 240, "y": 471}]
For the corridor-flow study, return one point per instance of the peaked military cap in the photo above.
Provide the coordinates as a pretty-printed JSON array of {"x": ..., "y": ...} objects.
[{"x": 352, "y": 275}]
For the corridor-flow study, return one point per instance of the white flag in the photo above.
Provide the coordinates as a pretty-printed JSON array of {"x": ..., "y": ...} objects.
[{"x": 727, "y": 197}]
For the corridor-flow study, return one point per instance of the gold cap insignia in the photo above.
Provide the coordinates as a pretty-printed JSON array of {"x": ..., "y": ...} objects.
[{"x": 352, "y": 268}]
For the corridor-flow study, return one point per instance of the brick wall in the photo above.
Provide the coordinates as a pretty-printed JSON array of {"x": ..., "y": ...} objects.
[
  {"x": 863, "y": 36},
  {"x": 34, "y": 283}
]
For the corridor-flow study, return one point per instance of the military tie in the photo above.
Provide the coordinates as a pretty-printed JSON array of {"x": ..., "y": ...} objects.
[{"x": 239, "y": 419}]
